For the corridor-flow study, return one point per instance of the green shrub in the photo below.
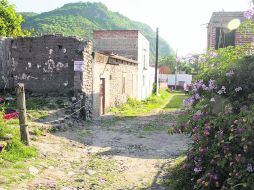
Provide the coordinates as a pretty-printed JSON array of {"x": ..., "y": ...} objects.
[{"x": 219, "y": 118}]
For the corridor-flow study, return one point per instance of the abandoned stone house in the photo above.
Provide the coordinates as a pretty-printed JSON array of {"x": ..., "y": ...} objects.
[
  {"x": 117, "y": 79},
  {"x": 219, "y": 35},
  {"x": 67, "y": 65},
  {"x": 133, "y": 45}
]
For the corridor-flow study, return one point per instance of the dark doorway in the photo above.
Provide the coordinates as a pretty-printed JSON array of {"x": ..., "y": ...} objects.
[
  {"x": 102, "y": 96},
  {"x": 224, "y": 38}
]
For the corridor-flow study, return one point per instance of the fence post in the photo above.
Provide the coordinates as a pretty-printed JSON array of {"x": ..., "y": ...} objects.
[{"x": 21, "y": 103}]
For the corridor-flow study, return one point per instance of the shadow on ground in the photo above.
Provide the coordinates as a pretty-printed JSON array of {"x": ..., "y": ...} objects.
[{"x": 144, "y": 137}]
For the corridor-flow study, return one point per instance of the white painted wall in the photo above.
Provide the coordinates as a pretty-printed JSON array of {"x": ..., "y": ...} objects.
[
  {"x": 151, "y": 80},
  {"x": 171, "y": 78},
  {"x": 143, "y": 68}
]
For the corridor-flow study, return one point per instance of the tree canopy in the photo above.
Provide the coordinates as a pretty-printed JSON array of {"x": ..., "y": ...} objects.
[{"x": 10, "y": 21}]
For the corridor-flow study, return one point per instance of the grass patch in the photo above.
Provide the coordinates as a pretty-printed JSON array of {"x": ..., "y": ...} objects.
[
  {"x": 176, "y": 101},
  {"x": 134, "y": 107},
  {"x": 17, "y": 151},
  {"x": 176, "y": 177},
  {"x": 14, "y": 149}
]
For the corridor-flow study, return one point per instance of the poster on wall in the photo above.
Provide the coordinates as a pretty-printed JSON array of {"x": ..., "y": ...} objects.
[{"x": 79, "y": 66}]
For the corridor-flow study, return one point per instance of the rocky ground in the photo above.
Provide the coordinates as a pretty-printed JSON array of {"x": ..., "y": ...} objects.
[{"x": 111, "y": 153}]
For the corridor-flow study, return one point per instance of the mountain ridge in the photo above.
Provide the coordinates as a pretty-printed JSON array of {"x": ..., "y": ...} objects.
[{"x": 80, "y": 19}]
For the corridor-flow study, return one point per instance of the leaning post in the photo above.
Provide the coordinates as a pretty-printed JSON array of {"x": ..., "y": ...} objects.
[{"x": 21, "y": 103}]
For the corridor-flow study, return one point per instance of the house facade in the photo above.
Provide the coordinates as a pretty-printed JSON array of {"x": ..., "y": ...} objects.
[
  {"x": 220, "y": 34},
  {"x": 130, "y": 44},
  {"x": 67, "y": 66},
  {"x": 114, "y": 81}
]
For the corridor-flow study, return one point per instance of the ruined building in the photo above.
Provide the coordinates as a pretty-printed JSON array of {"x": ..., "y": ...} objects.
[
  {"x": 54, "y": 64},
  {"x": 133, "y": 45},
  {"x": 219, "y": 34}
]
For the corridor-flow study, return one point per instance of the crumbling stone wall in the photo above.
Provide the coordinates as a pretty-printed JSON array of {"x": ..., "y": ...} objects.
[
  {"x": 83, "y": 82},
  {"x": 5, "y": 62},
  {"x": 44, "y": 64}
]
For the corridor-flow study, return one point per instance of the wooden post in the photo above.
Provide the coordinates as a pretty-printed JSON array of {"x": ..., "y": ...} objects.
[{"x": 21, "y": 102}]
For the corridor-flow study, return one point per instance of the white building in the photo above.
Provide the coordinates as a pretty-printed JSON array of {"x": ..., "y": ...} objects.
[
  {"x": 175, "y": 79},
  {"x": 133, "y": 45}
]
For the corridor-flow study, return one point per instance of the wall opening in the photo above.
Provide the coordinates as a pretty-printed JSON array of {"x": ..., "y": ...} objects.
[
  {"x": 123, "y": 83},
  {"x": 224, "y": 38}
]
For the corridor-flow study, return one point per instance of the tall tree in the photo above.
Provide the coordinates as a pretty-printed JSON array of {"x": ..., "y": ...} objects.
[
  {"x": 169, "y": 61},
  {"x": 10, "y": 21}
]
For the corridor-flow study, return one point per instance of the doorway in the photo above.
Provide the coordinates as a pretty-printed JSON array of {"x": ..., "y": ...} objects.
[{"x": 102, "y": 96}]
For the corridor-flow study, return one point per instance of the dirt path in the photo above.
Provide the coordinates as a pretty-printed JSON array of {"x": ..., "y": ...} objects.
[{"x": 114, "y": 153}]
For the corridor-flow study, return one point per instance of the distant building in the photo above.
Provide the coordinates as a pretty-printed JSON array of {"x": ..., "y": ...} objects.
[
  {"x": 130, "y": 44},
  {"x": 219, "y": 35},
  {"x": 178, "y": 80}
]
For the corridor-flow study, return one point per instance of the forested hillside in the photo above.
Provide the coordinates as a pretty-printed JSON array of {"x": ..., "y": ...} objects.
[{"x": 81, "y": 19}]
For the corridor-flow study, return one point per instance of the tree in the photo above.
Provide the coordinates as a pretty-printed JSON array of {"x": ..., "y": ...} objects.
[
  {"x": 169, "y": 61},
  {"x": 164, "y": 70},
  {"x": 10, "y": 21}
]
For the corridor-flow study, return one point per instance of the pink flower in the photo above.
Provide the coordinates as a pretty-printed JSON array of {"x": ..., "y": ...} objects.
[
  {"x": 249, "y": 13},
  {"x": 206, "y": 133}
]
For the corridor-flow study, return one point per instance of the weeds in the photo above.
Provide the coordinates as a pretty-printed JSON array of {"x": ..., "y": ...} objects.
[{"x": 134, "y": 107}]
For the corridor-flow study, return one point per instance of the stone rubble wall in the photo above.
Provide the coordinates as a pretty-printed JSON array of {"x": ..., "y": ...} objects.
[
  {"x": 113, "y": 75},
  {"x": 46, "y": 66}
]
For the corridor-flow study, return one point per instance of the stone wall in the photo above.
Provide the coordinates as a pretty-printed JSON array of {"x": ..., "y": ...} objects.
[
  {"x": 105, "y": 67},
  {"x": 5, "y": 63},
  {"x": 45, "y": 64}
]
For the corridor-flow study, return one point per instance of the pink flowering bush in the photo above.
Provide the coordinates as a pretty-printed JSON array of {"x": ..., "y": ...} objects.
[{"x": 219, "y": 117}]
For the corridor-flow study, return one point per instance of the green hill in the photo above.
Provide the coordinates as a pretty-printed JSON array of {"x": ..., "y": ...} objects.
[{"x": 80, "y": 19}]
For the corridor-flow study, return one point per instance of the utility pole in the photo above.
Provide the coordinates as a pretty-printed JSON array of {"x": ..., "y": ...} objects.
[
  {"x": 156, "y": 61},
  {"x": 176, "y": 70},
  {"x": 21, "y": 103}
]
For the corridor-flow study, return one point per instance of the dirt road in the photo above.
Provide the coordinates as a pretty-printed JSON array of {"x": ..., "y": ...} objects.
[{"x": 112, "y": 153}]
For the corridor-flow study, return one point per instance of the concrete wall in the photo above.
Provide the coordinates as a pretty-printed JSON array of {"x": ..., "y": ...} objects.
[
  {"x": 113, "y": 75},
  {"x": 143, "y": 68},
  {"x": 170, "y": 79}
]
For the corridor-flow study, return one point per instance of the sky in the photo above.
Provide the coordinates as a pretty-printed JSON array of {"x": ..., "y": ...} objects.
[{"x": 182, "y": 23}]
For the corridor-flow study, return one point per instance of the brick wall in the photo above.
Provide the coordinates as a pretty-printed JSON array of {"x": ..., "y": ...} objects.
[
  {"x": 221, "y": 19},
  {"x": 122, "y": 42}
]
